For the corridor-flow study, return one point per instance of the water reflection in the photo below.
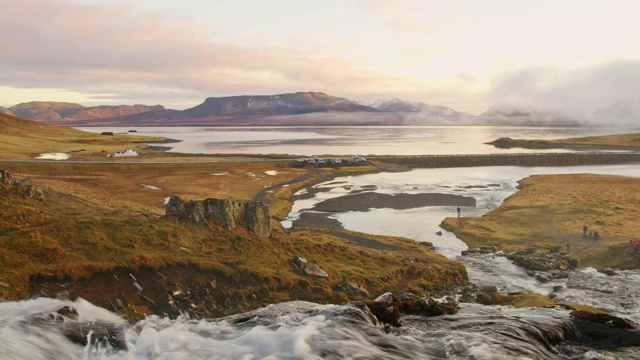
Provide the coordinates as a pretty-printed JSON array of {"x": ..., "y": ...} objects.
[{"x": 346, "y": 140}]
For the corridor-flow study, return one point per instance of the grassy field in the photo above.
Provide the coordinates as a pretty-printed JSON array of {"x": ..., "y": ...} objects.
[{"x": 554, "y": 208}]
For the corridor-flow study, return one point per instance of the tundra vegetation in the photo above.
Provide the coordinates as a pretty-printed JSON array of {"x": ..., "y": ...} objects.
[{"x": 101, "y": 233}]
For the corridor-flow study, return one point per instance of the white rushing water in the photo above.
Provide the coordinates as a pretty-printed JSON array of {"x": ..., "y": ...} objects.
[{"x": 296, "y": 330}]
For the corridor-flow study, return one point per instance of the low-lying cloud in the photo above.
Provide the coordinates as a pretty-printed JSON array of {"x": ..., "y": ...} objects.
[{"x": 605, "y": 95}]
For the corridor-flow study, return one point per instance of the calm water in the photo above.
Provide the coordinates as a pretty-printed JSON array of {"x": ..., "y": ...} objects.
[{"x": 363, "y": 140}]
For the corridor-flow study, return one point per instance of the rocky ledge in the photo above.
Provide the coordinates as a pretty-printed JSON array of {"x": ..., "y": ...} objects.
[{"x": 226, "y": 213}]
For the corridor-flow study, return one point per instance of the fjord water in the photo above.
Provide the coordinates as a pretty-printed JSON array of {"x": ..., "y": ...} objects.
[
  {"x": 301, "y": 330},
  {"x": 350, "y": 140}
]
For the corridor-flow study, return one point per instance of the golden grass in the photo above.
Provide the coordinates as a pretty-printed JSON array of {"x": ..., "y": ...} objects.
[
  {"x": 554, "y": 208},
  {"x": 25, "y": 139}
]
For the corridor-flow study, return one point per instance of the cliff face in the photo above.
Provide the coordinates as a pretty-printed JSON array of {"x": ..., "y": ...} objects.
[{"x": 226, "y": 213}]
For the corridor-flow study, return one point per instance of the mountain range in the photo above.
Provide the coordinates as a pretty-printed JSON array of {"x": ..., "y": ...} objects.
[{"x": 301, "y": 108}]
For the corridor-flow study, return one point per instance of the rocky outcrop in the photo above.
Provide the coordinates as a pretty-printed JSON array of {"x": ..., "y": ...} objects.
[
  {"x": 25, "y": 188},
  {"x": 223, "y": 212},
  {"x": 7, "y": 178},
  {"x": 543, "y": 259}
]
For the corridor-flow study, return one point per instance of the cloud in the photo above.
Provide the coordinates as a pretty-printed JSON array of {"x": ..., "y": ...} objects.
[
  {"x": 119, "y": 51},
  {"x": 604, "y": 94}
]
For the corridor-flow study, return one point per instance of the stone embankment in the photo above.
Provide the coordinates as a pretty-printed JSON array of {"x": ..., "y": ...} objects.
[
  {"x": 226, "y": 213},
  {"x": 536, "y": 159}
]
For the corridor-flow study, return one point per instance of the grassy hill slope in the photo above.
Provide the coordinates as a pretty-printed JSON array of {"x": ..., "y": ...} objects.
[{"x": 22, "y": 139}]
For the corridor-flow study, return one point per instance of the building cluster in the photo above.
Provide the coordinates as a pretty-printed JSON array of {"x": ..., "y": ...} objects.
[{"x": 328, "y": 162}]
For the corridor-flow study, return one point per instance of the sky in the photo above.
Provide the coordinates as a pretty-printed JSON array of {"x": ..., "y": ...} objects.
[{"x": 581, "y": 56}]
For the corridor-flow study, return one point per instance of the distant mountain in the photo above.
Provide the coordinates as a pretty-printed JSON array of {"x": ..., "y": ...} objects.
[
  {"x": 524, "y": 115},
  {"x": 283, "y": 104},
  {"x": 4, "y": 110},
  {"x": 60, "y": 112},
  {"x": 427, "y": 113},
  {"x": 301, "y": 108}
]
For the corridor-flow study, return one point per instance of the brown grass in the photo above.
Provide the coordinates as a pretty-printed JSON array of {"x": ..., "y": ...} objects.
[{"x": 554, "y": 208}]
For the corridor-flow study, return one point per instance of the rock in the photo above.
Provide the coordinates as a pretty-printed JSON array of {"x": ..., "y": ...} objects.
[
  {"x": 351, "y": 288},
  {"x": 429, "y": 307},
  {"x": 175, "y": 207},
  {"x": 223, "y": 212},
  {"x": 386, "y": 297},
  {"x": 428, "y": 245},
  {"x": 195, "y": 212},
  {"x": 300, "y": 262},
  {"x": 315, "y": 270},
  {"x": 226, "y": 213},
  {"x": 6, "y": 177},
  {"x": 439, "y": 233},
  {"x": 607, "y": 271},
  {"x": 35, "y": 192},
  {"x": 542, "y": 259},
  {"x": 78, "y": 332},
  {"x": 484, "y": 249},
  {"x": 485, "y": 295},
  {"x": 258, "y": 218}
]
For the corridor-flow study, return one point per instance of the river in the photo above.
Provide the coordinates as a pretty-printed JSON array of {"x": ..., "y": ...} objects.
[{"x": 302, "y": 330}]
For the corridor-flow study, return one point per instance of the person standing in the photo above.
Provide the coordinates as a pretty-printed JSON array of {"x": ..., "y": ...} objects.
[
  {"x": 584, "y": 231},
  {"x": 458, "y": 211}
]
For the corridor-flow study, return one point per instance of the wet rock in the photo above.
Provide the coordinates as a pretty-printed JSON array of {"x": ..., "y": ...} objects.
[
  {"x": 603, "y": 330},
  {"x": 429, "y": 307},
  {"x": 484, "y": 249},
  {"x": 81, "y": 333},
  {"x": 428, "y": 245},
  {"x": 485, "y": 295},
  {"x": 542, "y": 259},
  {"x": 315, "y": 270},
  {"x": 607, "y": 271}
]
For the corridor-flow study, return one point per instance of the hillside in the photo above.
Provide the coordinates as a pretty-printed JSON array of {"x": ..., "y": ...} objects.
[
  {"x": 22, "y": 138},
  {"x": 60, "y": 112}
]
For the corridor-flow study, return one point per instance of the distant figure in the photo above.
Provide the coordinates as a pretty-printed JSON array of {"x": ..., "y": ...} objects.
[
  {"x": 584, "y": 231},
  {"x": 590, "y": 234},
  {"x": 568, "y": 247},
  {"x": 596, "y": 235},
  {"x": 458, "y": 211}
]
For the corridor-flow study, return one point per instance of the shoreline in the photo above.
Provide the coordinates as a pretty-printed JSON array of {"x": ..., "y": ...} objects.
[{"x": 520, "y": 159}]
